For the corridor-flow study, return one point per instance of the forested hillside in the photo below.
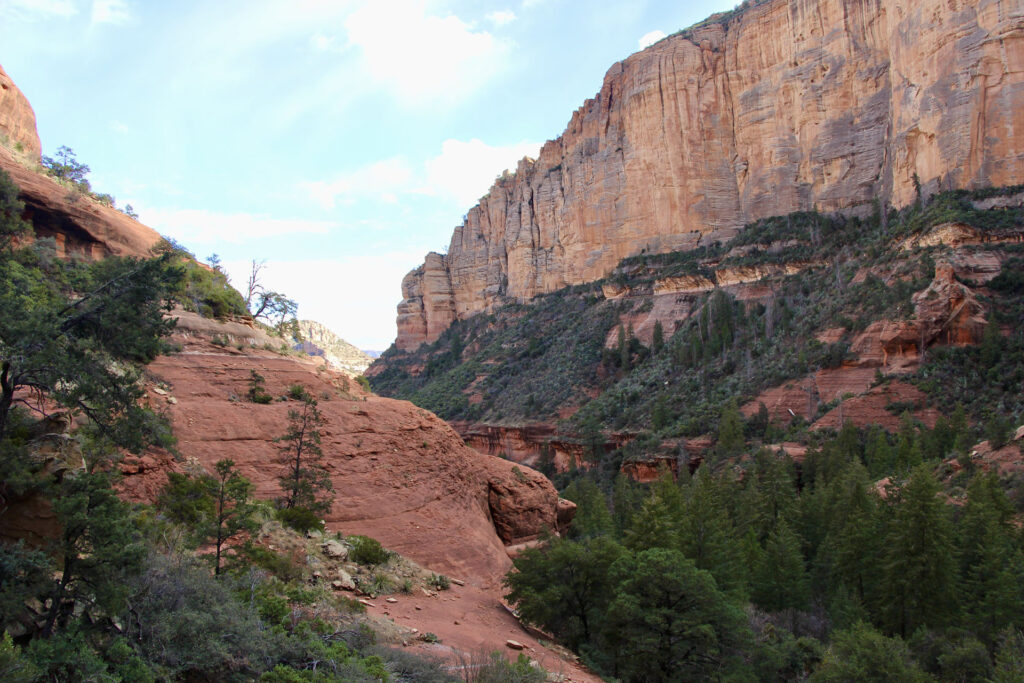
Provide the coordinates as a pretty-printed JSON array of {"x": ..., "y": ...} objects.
[{"x": 832, "y": 406}]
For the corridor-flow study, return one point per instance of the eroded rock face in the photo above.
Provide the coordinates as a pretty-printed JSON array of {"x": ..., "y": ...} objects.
[
  {"x": 781, "y": 106},
  {"x": 17, "y": 120},
  {"x": 400, "y": 474},
  {"x": 78, "y": 225}
]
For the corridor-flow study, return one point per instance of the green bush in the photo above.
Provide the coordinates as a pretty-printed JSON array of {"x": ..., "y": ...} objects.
[
  {"x": 257, "y": 392},
  {"x": 366, "y": 550},
  {"x": 301, "y": 519},
  {"x": 297, "y": 392}
]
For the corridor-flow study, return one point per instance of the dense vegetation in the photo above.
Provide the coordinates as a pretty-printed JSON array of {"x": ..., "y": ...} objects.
[
  {"x": 879, "y": 556},
  {"x": 178, "y": 590},
  {"x": 526, "y": 362},
  {"x": 772, "y": 571}
]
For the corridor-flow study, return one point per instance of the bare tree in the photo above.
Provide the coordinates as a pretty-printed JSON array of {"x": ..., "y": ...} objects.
[{"x": 254, "y": 286}]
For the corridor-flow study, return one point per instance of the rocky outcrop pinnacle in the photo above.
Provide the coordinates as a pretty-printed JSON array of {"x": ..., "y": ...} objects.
[{"x": 779, "y": 106}]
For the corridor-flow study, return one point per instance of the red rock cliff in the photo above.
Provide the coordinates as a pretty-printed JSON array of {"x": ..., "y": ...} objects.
[
  {"x": 77, "y": 223},
  {"x": 782, "y": 105},
  {"x": 17, "y": 120},
  {"x": 400, "y": 474}
]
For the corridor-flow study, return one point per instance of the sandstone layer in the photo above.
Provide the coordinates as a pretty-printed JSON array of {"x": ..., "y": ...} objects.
[
  {"x": 400, "y": 474},
  {"x": 17, "y": 120},
  {"x": 78, "y": 224},
  {"x": 778, "y": 106}
]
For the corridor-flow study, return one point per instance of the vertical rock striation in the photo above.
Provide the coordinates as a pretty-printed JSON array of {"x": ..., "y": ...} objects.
[{"x": 779, "y": 106}]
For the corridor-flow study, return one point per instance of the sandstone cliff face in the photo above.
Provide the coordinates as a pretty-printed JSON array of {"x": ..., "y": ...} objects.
[
  {"x": 780, "y": 106},
  {"x": 78, "y": 224},
  {"x": 17, "y": 120}
]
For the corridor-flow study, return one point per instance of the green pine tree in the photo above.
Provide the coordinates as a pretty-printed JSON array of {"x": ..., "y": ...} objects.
[
  {"x": 305, "y": 480},
  {"x": 708, "y": 537},
  {"x": 918, "y": 588},
  {"x": 780, "y": 581}
]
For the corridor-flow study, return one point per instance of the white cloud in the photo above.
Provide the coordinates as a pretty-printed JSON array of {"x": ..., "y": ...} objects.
[
  {"x": 421, "y": 58},
  {"x": 110, "y": 12},
  {"x": 464, "y": 171},
  {"x": 354, "y": 296},
  {"x": 461, "y": 173},
  {"x": 199, "y": 226},
  {"x": 501, "y": 17},
  {"x": 381, "y": 180},
  {"x": 648, "y": 39},
  {"x": 39, "y": 9},
  {"x": 118, "y": 127},
  {"x": 321, "y": 43}
]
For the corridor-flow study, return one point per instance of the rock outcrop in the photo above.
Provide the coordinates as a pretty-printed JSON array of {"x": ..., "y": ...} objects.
[
  {"x": 400, "y": 474},
  {"x": 77, "y": 223},
  {"x": 318, "y": 340},
  {"x": 17, "y": 120},
  {"x": 778, "y": 106}
]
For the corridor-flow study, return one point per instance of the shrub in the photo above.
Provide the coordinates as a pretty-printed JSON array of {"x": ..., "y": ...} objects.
[
  {"x": 440, "y": 582},
  {"x": 301, "y": 519},
  {"x": 297, "y": 392},
  {"x": 366, "y": 550},
  {"x": 257, "y": 392}
]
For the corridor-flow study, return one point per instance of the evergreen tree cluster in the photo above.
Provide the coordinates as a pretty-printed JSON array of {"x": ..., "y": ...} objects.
[{"x": 805, "y": 571}]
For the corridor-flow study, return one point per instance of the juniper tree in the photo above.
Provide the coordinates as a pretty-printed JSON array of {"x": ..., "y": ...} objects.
[
  {"x": 214, "y": 508},
  {"x": 305, "y": 479}
]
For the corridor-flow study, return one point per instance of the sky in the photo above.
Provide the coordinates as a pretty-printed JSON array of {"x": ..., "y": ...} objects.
[{"x": 336, "y": 141}]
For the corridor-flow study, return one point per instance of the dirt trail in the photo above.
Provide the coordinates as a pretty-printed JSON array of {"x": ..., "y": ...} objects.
[{"x": 470, "y": 621}]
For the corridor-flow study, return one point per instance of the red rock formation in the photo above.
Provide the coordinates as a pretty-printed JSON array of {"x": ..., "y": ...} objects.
[
  {"x": 77, "y": 223},
  {"x": 17, "y": 120},
  {"x": 945, "y": 312},
  {"x": 779, "y": 106},
  {"x": 872, "y": 408},
  {"x": 400, "y": 474}
]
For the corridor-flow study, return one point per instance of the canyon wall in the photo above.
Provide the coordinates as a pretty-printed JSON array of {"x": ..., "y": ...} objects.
[
  {"x": 779, "y": 106},
  {"x": 17, "y": 120}
]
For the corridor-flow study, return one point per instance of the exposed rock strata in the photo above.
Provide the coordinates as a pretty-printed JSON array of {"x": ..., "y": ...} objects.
[
  {"x": 780, "y": 106},
  {"x": 78, "y": 224}
]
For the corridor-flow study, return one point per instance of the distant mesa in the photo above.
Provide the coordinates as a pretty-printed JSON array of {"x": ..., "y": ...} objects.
[{"x": 318, "y": 340}]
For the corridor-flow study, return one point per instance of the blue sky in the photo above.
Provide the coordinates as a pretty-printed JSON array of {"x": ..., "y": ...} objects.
[{"x": 338, "y": 141}]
